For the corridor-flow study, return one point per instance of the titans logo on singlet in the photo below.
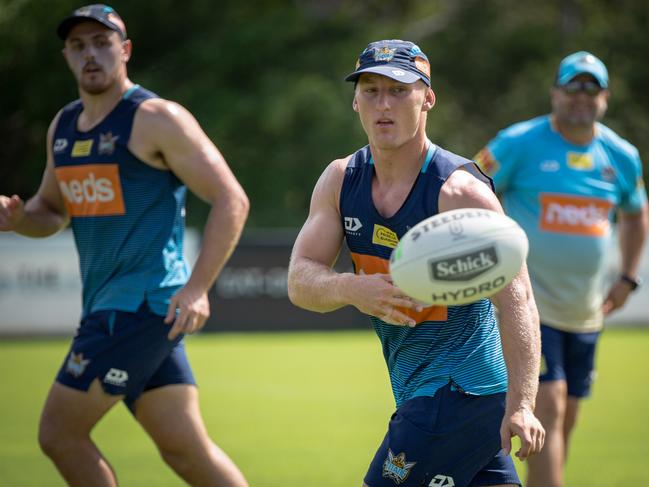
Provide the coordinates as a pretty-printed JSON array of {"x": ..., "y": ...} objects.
[
  {"x": 563, "y": 196},
  {"x": 457, "y": 344},
  {"x": 127, "y": 217}
]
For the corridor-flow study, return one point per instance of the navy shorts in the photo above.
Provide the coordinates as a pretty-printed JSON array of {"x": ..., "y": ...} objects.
[
  {"x": 128, "y": 352},
  {"x": 449, "y": 439},
  {"x": 570, "y": 357}
]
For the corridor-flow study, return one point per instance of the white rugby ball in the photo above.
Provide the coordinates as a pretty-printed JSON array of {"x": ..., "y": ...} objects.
[{"x": 458, "y": 256}]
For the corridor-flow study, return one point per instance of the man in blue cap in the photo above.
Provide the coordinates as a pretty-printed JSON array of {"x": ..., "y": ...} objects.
[
  {"x": 563, "y": 176},
  {"x": 119, "y": 162},
  {"x": 449, "y": 366}
]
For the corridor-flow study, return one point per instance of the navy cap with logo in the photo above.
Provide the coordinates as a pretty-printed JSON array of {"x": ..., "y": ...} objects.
[
  {"x": 400, "y": 60},
  {"x": 579, "y": 63},
  {"x": 98, "y": 12}
]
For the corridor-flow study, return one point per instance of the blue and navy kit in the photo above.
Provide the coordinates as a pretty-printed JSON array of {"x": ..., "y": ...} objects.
[
  {"x": 128, "y": 223},
  {"x": 564, "y": 196},
  {"x": 457, "y": 344},
  {"x": 127, "y": 217}
]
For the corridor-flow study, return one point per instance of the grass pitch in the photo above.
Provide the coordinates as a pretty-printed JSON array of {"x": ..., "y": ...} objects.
[{"x": 296, "y": 409}]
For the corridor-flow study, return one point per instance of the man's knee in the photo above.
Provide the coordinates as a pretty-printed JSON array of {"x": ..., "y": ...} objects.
[
  {"x": 178, "y": 456},
  {"x": 551, "y": 402},
  {"x": 54, "y": 440}
]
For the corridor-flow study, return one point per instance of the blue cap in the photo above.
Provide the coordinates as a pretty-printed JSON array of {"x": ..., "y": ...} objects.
[
  {"x": 400, "y": 60},
  {"x": 579, "y": 63},
  {"x": 99, "y": 13}
]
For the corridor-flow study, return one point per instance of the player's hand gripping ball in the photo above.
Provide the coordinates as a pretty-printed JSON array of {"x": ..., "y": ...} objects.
[{"x": 458, "y": 256}]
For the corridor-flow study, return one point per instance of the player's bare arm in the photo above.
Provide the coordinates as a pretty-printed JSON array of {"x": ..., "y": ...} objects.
[
  {"x": 167, "y": 136},
  {"x": 42, "y": 215},
  {"x": 314, "y": 285},
  {"x": 518, "y": 323},
  {"x": 632, "y": 235}
]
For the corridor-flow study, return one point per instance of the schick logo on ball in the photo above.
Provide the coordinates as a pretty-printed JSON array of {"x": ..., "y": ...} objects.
[{"x": 464, "y": 267}]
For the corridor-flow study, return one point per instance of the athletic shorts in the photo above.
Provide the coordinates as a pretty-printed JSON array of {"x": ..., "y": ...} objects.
[
  {"x": 450, "y": 439},
  {"x": 128, "y": 352},
  {"x": 570, "y": 357}
]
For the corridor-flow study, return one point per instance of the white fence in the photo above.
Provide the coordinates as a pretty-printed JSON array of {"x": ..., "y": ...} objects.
[{"x": 40, "y": 291}]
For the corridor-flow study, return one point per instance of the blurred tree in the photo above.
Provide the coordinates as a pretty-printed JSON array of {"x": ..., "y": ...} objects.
[{"x": 265, "y": 77}]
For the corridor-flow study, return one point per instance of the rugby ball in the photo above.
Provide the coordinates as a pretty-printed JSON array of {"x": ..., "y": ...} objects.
[{"x": 458, "y": 256}]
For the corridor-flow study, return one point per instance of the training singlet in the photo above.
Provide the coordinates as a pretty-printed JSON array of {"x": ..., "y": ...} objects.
[
  {"x": 457, "y": 344},
  {"x": 564, "y": 196},
  {"x": 127, "y": 217}
]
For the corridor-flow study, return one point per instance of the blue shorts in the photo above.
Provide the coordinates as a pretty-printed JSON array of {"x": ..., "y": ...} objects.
[
  {"x": 128, "y": 352},
  {"x": 570, "y": 357},
  {"x": 451, "y": 438}
]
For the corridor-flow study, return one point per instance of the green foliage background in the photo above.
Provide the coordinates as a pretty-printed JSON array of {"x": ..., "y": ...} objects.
[{"x": 265, "y": 77}]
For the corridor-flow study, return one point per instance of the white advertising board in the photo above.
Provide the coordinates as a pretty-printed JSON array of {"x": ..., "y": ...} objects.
[
  {"x": 40, "y": 289},
  {"x": 40, "y": 292}
]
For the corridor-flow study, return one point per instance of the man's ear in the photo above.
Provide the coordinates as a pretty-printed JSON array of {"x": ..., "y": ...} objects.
[
  {"x": 355, "y": 104},
  {"x": 127, "y": 49},
  {"x": 429, "y": 101}
]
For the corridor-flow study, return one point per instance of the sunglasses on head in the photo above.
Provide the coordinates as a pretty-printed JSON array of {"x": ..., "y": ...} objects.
[{"x": 591, "y": 88}]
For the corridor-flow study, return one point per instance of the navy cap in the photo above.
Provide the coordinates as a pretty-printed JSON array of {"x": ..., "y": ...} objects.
[
  {"x": 579, "y": 63},
  {"x": 400, "y": 60},
  {"x": 98, "y": 12}
]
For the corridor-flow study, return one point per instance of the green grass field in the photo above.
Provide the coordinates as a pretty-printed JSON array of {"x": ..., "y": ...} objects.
[{"x": 309, "y": 409}]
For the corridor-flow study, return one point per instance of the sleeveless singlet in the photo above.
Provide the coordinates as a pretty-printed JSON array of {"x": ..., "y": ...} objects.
[
  {"x": 127, "y": 217},
  {"x": 457, "y": 344}
]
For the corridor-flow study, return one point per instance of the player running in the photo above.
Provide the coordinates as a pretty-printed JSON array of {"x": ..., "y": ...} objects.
[{"x": 119, "y": 161}]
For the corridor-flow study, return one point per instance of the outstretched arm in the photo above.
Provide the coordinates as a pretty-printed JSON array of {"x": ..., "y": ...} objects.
[
  {"x": 518, "y": 323},
  {"x": 44, "y": 214},
  {"x": 314, "y": 285}
]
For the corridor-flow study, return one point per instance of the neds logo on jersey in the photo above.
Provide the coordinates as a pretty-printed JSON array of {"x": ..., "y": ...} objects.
[
  {"x": 577, "y": 215},
  {"x": 91, "y": 189},
  {"x": 464, "y": 267}
]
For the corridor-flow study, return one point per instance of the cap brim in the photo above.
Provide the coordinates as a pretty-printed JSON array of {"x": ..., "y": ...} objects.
[
  {"x": 393, "y": 72},
  {"x": 66, "y": 25},
  {"x": 583, "y": 69}
]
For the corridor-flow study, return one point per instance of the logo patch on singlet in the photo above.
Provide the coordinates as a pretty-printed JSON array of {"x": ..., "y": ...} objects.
[
  {"x": 384, "y": 236},
  {"x": 352, "y": 225},
  {"x": 82, "y": 148},
  {"x": 575, "y": 215},
  {"x": 60, "y": 145},
  {"x": 91, "y": 189},
  {"x": 107, "y": 143}
]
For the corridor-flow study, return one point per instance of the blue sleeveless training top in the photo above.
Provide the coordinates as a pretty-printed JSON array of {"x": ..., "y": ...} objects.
[
  {"x": 457, "y": 344},
  {"x": 127, "y": 217}
]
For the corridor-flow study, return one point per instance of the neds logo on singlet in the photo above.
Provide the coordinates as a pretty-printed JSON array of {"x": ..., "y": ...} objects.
[
  {"x": 574, "y": 214},
  {"x": 91, "y": 189}
]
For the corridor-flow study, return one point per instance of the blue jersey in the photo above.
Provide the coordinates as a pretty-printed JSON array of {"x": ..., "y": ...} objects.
[
  {"x": 127, "y": 217},
  {"x": 564, "y": 195},
  {"x": 457, "y": 344}
]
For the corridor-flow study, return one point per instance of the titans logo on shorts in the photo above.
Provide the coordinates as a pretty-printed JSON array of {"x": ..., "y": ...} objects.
[
  {"x": 450, "y": 439},
  {"x": 128, "y": 352}
]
